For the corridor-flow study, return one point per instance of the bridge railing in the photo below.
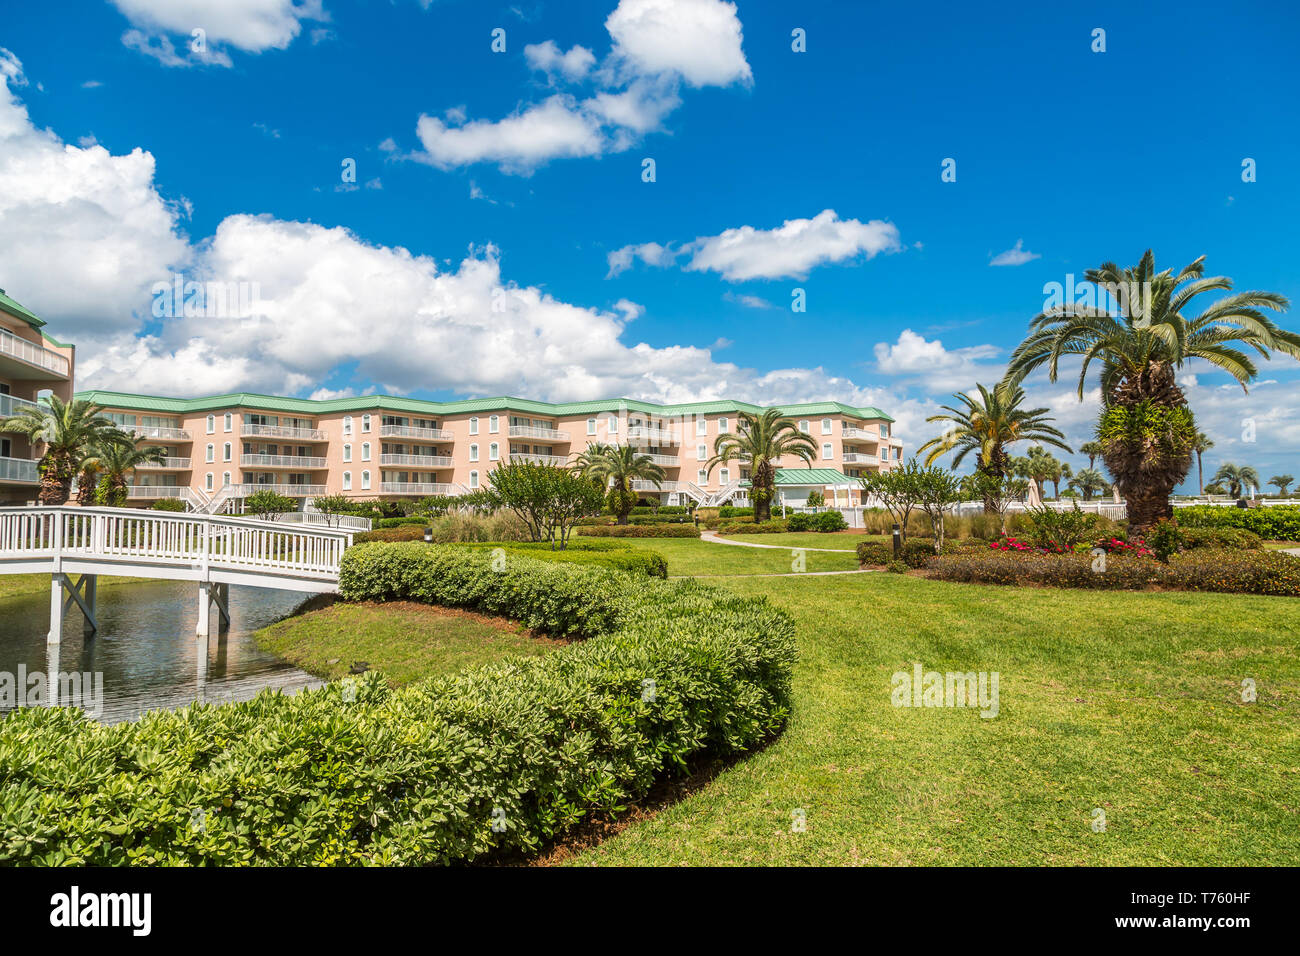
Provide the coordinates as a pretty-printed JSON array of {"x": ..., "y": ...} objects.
[{"x": 217, "y": 541}]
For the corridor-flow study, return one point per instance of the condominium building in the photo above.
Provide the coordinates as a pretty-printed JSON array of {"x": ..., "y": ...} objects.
[
  {"x": 222, "y": 448},
  {"x": 31, "y": 363}
]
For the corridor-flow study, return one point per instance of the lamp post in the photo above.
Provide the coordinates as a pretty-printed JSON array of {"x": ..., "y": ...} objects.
[
  {"x": 428, "y": 534},
  {"x": 898, "y": 542}
]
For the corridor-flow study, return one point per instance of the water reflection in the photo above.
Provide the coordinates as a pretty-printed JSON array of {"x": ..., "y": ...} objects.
[{"x": 146, "y": 650}]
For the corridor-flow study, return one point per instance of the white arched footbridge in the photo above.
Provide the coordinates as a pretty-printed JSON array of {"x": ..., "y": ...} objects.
[{"x": 215, "y": 551}]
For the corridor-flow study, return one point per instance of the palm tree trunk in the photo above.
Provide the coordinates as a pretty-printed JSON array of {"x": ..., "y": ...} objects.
[
  {"x": 1147, "y": 505},
  {"x": 1200, "y": 475},
  {"x": 56, "y": 480},
  {"x": 86, "y": 489}
]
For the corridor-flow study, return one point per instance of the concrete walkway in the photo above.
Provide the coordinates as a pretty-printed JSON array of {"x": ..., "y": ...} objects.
[
  {"x": 783, "y": 574},
  {"x": 1295, "y": 551},
  {"x": 714, "y": 538}
]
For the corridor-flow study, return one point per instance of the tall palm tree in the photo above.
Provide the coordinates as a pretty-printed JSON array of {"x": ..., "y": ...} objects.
[
  {"x": 1093, "y": 450},
  {"x": 617, "y": 466},
  {"x": 1282, "y": 482},
  {"x": 1201, "y": 444},
  {"x": 1146, "y": 429},
  {"x": 67, "y": 430},
  {"x": 761, "y": 441},
  {"x": 988, "y": 425},
  {"x": 1237, "y": 478},
  {"x": 111, "y": 460}
]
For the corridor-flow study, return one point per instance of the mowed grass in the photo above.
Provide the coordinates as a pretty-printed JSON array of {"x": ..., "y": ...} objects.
[
  {"x": 1128, "y": 703},
  {"x": 838, "y": 540},
  {"x": 405, "y": 641},
  {"x": 26, "y": 585},
  {"x": 689, "y": 557}
]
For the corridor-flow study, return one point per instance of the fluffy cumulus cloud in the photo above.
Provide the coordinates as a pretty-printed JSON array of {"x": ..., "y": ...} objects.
[
  {"x": 656, "y": 47},
  {"x": 249, "y": 25},
  {"x": 791, "y": 250},
  {"x": 1017, "y": 255}
]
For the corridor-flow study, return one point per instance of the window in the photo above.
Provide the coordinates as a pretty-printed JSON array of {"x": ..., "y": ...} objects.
[
  {"x": 701, "y": 452},
  {"x": 826, "y": 450},
  {"x": 724, "y": 426},
  {"x": 347, "y": 424},
  {"x": 229, "y": 423},
  {"x": 613, "y": 424},
  {"x": 724, "y": 476},
  {"x": 473, "y": 452},
  {"x": 826, "y": 426},
  {"x": 591, "y": 426},
  {"x": 212, "y": 424},
  {"x": 225, "y": 478},
  {"x": 365, "y": 481},
  {"x": 347, "y": 452},
  {"x": 803, "y": 425},
  {"x": 702, "y": 477},
  {"x": 884, "y": 431},
  {"x": 701, "y": 426},
  {"x": 494, "y": 424},
  {"x": 212, "y": 453},
  {"x": 473, "y": 426},
  {"x": 494, "y": 451},
  {"x": 473, "y": 479},
  {"x": 347, "y": 481},
  {"x": 226, "y": 451},
  {"x": 207, "y": 481},
  {"x": 365, "y": 451}
]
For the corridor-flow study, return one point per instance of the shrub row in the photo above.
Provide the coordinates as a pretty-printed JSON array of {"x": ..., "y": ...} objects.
[
  {"x": 496, "y": 759},
  {"x": 775, "y": 526},
  {"x": 639, "y": 531},
  {"x": 634, "y": 561},
  {"x": 1232, "y": 572},
  {"x": 824, "y": 522},
  {"x": 399, "y": 522},
  {"x": 1276, "y": 522}
]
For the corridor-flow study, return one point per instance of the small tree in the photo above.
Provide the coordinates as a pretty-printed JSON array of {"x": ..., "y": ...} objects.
[
  {"x": 268, "y": 504},
  {"x": 996, "y": 492},
  {"x": 897, "y": 491},
  {"x": 331, "y": 506},
  {"x": 1282, "y": 482},
  {"x": 549, "y": 500},
  {"x": 815, "y": 499},
  {"x": 937, "y": 489},
  {"x": 573, "y": 496}
]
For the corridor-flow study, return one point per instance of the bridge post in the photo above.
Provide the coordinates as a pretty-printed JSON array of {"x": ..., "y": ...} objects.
[
  {"x": 205, "y": 608},
  {"x": 89, "y": 591},
  {"x": 56, "y": 609}
]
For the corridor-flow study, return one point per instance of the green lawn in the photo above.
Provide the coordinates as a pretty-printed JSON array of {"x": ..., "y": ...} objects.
[
  {"x": 1130, "y": 703},
  {"x": 25, "y": 585},
  {"x": 404, "y": 641},
  {"x": 840, "y": 540},
  {"x": 691, "y": 556}
]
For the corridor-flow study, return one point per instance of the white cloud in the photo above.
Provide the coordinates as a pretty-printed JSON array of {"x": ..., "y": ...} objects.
[
  {"x": 937, "y": 369},
  {"x": 549, "y": 58},
  {"x": 163, "y": 50},
  {"x": 1017, "y": 255},
  {"x": 699, "y": 40},
  {"x": 748, "y": 301},
  {"x": 554, "y": 128},
  {"x": 651, "y": 253},
  {"x": 249, "y": 25},
  {"x": 91, "y": 85}
]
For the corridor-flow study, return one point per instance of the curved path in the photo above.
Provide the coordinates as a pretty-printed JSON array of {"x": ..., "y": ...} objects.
[{"x": 713, "y": 538}]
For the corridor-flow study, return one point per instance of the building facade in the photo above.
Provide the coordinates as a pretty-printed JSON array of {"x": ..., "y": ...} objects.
[
  {"x": 225, "y": 447},
  {"x": 31, "y": 363}
]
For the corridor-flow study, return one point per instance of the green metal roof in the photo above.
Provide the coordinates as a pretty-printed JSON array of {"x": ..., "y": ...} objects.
[
  {"x": 394, "y": 403},
  {"x": 20, "y": 312},
  {"x": 809, "y": 476}
]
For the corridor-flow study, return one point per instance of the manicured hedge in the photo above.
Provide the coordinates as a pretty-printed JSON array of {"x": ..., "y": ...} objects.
[
  {"x": 824, "y": 522},
  {"x": 1276, "y": 522},
  {"x": 400, "y": 522},
  {"x": 1233, "y": 572},
  {"x": 639, "y": 561},
  {"x": 1222, "y": 538},
  {"x": 874, "y": 552},
  {"x": 356, "y": 773},
  {"x": 775, "y": 526},
  {"x": 731, "y": 511},
  {"x": 640, "y": 531},
  {"x": 406, "y": 532}
]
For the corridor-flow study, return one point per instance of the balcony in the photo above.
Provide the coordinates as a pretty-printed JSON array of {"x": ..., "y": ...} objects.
[
  {"x": 11, "y": 405},
  {"x": 282, "y": 431},
  {"x": 410, "y": 431},
  {"x": 281, "y": 461},
  {"x": 667, "y": 461},
  {"x": 157, "y": 491},
  {"x": 24, "y": 358},
  {"x": 861, "y": 434},
  {"x": 21, "y": 470},
  {"x": 416, "y": 488},
  {"x": 290, "y": 491},
  {"x": 173, "y": 464},
  {"x": 641, "y": 485},
  {"x": 558, "y": 461},
  {"x": 418, "y": 461},
  {"x": 858, "y": 458},
  {"x": 649, "y": 435},
  {"x": 538, "y": 434},
  {"x": 159, "y": 433}
]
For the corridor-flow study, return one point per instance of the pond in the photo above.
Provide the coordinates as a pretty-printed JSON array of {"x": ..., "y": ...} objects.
[{"x": 145, "y": 655}]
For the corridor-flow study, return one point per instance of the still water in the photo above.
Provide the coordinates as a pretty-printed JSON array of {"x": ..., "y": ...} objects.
[{"x": 146, "y": 650}]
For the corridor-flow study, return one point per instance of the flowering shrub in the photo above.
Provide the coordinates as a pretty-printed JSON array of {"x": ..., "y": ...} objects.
[
  {"x": 1116, "y": 545},
  {"x": 1009, "y": 542}
]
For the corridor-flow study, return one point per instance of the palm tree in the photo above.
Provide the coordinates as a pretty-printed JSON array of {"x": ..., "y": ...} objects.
[
  {"x": 111, "y": 460},
  {"x": 1282, "y": 482},
  {"x": 67, "y": 430},
  {"x": 1093, "y": 450},
  {"x": 1201, "y": 445},
  {"x": 1146, "y": 429},
  {"x": 1237, "y": 478},
  {"x": 988, "y": 425},
  {"x": 617, "y": 466},
  {"x": 1087, "y": 481},
  {"x": 1215, "y": 488},
  {"x": 761, "y": 441}
]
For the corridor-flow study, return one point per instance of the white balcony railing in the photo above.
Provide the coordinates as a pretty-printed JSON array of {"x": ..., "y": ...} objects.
[
  {"x": 12, "y": 405},
  {"x": 557, "y": 460},
  {"x": 156, "y": 491},
  {"x": 18, "y": 469},
  {"x": 289, "y": 491},
  {"x": 649, "y": 435},
  {"x": 858, "y": 458},
  {"x": 668, "y": 461},
  {"x": 282, "y": 431},
  {"x": 416, "y": 488},
  {"x": 32, "y": 354},
  {"x": 410, "y": 431},
  {"x": 282, "y": 461},
  {"x": 861, "y": 434},
  {"x": 159, "y": 433},
  {"x": 540, "y": 434},
  {"x": 176, "y": 464},
  {"x": 640, "y": 485},
  {"x": 418, "y": 461}
]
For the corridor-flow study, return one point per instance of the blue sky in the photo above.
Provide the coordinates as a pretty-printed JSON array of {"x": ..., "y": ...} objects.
[{"x": 1077, "y": 156}]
